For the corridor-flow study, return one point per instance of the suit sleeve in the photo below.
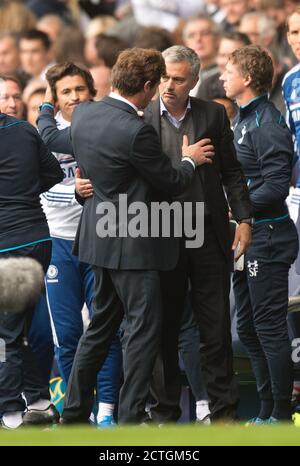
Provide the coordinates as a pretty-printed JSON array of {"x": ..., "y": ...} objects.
[
  {"x": 232, "y": 175},
  {"x": 50, "y": 171},
  {"x": 155, "y": 167},
  {"x": 56, "y": 140}
]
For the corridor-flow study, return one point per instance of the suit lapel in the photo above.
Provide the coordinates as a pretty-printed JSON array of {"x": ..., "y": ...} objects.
[
  {"x": 200, "y": 126},
  {"x": 152, "y": 115}
]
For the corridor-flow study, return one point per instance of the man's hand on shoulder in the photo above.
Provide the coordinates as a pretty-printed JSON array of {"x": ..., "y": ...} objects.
[{"x": 201, "y": 152}]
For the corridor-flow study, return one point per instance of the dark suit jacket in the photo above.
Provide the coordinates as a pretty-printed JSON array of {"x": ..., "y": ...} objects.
[
  {"x": 210, "y": 121},
  {"x": 121, "y": 154}
]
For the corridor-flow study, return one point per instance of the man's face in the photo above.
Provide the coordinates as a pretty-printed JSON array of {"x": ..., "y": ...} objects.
[
  {"x": 71, "y": 91},
  {"x": 34, "y": 56},
  {"x": 250, "y": 28},
  {"x": 176, "y": 85},
  {"x": 11, "y": 99},
  {"x": 227, "y": 46},
  {"x": 9, "y": 56},
  {"x": 234, "y": 10},
  {"x": 33, "y": 104},
  {"x": 199, "y": 36},
  {"x": 234, "y": 82},
  {"x": 293, "y": 34}
]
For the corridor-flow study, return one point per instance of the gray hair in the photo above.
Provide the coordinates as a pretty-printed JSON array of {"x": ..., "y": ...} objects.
[
  {"x": 215, "y": 28},
  {"x": 266, "y": 26},
  {"x": 179, "y": 53}
]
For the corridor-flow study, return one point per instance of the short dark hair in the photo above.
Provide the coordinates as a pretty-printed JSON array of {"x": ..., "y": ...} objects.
[
  {"x": 35, "y": 34},
  {"x": 108, "y": 48},
  {"x": 236, "y": 36},
  {"x": 255, "y": 62},
  {"x": 57, "y": 72},
  {"x": 154, "y": 37},
  {"x": 135, "y": 67}
]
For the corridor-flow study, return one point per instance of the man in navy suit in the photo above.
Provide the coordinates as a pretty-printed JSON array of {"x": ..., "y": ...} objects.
[{"x": 122, "y": 155}]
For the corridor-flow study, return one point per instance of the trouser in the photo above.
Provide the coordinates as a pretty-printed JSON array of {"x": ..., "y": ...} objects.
[
  {"x": 117, "y": 292},
  {"x": 70, "y": 284},
  {"x": 261, "y": 294},
  {"x": 189, "y": 352},
  {"x": 41, "y": 340},
  {"x": 209, "y": 275},
  {"x": 19, "y": 372}
]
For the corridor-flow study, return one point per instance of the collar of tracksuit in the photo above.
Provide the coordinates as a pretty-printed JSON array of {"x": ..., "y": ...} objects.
[{"x": 245, "y": 110}]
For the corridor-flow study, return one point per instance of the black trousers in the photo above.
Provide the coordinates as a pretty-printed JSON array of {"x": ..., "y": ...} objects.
[
  {"x": 19, "y": 373},
  {"x": 117, "y": 292},
  {"x": 261, "y": 294},
  {"x": 209, "y": 275}
]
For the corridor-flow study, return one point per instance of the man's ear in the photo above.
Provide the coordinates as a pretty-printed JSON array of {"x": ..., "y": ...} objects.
[
  {"x": 148, "y": 86},
  {"x": 247, "y": 81},
  {"x": 195, "y": 82}
]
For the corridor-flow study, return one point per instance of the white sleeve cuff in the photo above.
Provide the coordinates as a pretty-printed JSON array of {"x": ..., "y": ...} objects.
[{"x": 189, "y": 159}]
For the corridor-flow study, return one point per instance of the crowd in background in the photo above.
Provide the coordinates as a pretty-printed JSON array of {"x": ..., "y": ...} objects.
[{"x": 37, "y": 34}]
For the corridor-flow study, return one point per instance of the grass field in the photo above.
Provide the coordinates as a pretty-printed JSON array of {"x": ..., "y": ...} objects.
[{"x": 152, "y": 436}]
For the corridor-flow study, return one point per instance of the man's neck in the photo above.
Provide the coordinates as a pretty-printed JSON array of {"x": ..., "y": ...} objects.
[
  {"x": 177, "y": 111},
  {"x": 244, "y": 99},
  {"x": 65, "y": 117},
  {"x": 133, "y": 99}
]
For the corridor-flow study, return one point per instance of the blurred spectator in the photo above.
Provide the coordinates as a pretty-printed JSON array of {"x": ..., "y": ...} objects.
[
  {"x": 233, "y": 11},
  {"x": 279, "y": 72},
  {"x": 108, "y": 49},
  {"x": 11, "y": 97},
  {"x": 15, "y": 17},
  {"x": 101, "y": 77},
  {"x": 154, "y": 37},
  {"x": 35, "y": 53},
  {"x": 98, "y": 25},
  {"x": 9, "y": 53},
  {"x": 49, "y": 7},
  {"x": 212, "y": 7},
  {"x": 33, "y": 104},
  {"x": 260, "y": 28},
  {"x": 212, "y": 87},
  {"x": 276, "y": 9},
  {"x": 126, "y": 29},
  {"x": 230, "y": 107},
  {"x": 201, "y": 34},
  {"x": 165, "y": 14},
  {"x": 98, "y": 7},
  {"x": 69, "y": 46},
  {"x": 32, "y": 97},
  {"x": 52, "y": 25}
]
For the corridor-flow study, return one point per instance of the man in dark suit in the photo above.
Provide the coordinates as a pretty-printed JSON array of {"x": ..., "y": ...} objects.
[
  {"x": 121, "y": 155},
  {"x": 207, "y": 267}
]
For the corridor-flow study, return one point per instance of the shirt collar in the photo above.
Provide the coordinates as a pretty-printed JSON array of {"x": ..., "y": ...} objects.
[
  {"x": 116, "y": 96},
  {"x": 163, "y": 108}
]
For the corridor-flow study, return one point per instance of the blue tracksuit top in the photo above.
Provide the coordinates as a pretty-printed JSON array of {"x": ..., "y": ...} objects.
[
  {"x": 264, "y": 147},
  {"x": 27, "y": 168},
  {"x": 291, "y": 94}
]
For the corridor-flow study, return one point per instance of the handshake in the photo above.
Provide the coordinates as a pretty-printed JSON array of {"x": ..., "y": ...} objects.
[{"x": 201, "y": 152}]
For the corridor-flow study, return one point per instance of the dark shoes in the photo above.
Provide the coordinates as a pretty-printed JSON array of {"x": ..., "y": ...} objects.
[{"x": 46, "y": 416}]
